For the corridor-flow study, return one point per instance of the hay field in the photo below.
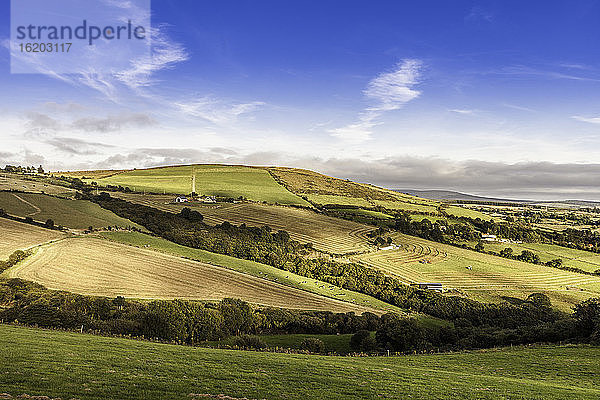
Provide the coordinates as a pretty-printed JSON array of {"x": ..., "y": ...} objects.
[
  {"x": 19, "y": 236},
  {"x": 216, "y": 180},
  {"x": 93, "y": 266},
  {"x": 327, "y": 234},
  {"x": 76, "y": 214},
  {"x": 256, "y": 269},
  {"x": 491, "y": 277}
]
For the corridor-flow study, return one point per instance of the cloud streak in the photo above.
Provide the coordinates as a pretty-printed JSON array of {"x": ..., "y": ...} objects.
[{"x": 388, "y": 91}]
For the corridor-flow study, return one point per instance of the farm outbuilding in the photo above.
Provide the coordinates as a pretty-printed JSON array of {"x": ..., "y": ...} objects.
[{"x": 436, "y": 286}]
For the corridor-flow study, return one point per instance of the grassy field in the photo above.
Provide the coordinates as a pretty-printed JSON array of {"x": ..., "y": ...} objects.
[
  {"x": 17, "y": 182},
  {"x": 339, "y": 344},
  {"x": 491, "y": 278},
  {"x": 328, "y": 234},
  {"x": 19, "y": 236},
  {"x": 584, "y": 260},
  {"x": 217, "y": 180},
  {"x": 323, "y": 189},
  {"x": 249, "y": 267},
  {"x": 93, "y": 266},
  {"x": 365, "y": 213},
  {"x": 71, "y": 365},
  {"x": 76, "y": 214}
]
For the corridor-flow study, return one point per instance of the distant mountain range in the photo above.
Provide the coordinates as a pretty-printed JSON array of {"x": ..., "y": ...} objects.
[{"x": 458, "y": 196}]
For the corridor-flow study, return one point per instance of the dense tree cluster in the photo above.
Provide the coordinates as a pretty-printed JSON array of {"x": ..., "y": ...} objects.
[{"x": 173, "y": 320}]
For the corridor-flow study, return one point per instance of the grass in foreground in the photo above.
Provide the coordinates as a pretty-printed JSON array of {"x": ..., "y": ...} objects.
[{"x": 67, "y": 365}]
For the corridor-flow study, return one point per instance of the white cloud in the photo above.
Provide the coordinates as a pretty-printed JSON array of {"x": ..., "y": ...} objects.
[
  {"x": 591, "y": 120},
  {"x": 218, "y": 112},
  {"x": 387, "y": 92},
  {"x": 392, "y": 90},
  {"x": 462, "y": 111}
]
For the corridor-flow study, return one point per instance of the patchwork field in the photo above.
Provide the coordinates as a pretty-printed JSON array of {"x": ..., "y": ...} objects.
[
  {"x": 19, "y": 236},
  {"x": 71, "y": 365},
  {"x": 76, "y": 214},
  {"x": 249, "y": 267},
  {"x": 581, "y": 259},
  {"x": 419, "y": 260},
  {"x": 328, "y": 234},
  {"x": 215, "y": 180},
  {"x": 16, "y": 182},
  {"x": 94, "y": 266}
]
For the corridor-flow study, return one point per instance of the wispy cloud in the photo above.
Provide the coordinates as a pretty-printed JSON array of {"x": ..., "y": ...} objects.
[
  {"x": 462, "y": 111},
  {"x": 218, "y": 112},
  {"x": 517, "y": 107},
  {"x": 522, "y": 70},
  {"x": 387, "y": 92},
  {"x": 591, "y": 120}
]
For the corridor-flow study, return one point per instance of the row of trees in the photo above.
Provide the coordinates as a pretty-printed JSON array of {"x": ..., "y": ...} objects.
[
  {"x": 172, "y": 320},
  {"x": 17, "y": 169}
]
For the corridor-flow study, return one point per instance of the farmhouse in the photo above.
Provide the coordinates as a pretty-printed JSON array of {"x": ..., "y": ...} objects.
[
  {"x": 429, "y": 286},
  {"x": 181, "y": 199},
  {"x": 489, "y": 238}
]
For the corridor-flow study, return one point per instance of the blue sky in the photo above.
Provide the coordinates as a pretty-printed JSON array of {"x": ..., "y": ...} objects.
[{"x": 498, "y": 97}]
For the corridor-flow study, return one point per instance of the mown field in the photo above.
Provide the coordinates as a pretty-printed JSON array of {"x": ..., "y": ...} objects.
[
  {"x": 19, "y": 236},
  {"x": 581, "y": 259},
  {"x": 249, "y": 267},
  {"x": 490, "y": 278},
  {"x": 71, "y": 365},
  {"x": 94, "y": 266},
  {"x": 76, "y": 214},
  {"x": 216, "y": 180},
  {"x": 328, "y": 234}
]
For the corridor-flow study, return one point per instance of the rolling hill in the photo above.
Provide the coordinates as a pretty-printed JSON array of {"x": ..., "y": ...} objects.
[
  {"x": 76, "y": 214},
  {"x": 71, "y": 365},
  {"x": 93, "y": 266}
]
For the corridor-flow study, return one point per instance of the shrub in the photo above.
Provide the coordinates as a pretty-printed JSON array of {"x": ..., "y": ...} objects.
[
  {"x": 313, "y": 345},
  {"x": 249, "y": 342}
]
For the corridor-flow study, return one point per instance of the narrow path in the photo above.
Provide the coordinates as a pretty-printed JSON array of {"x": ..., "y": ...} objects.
[{"x": 37, "y": 209}]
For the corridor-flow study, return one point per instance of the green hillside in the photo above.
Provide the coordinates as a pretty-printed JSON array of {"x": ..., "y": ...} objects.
[
  {"x": 76, "y": 214},
  {"x": 215, "y": 180},
  {"x": 72, "y": 365}
]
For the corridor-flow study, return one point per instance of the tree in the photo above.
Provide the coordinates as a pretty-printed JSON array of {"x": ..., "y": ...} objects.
[
  {"x": 313, "y": 345},
  {"x": 40, "y": 170},
  {"x": 540, "y": 300},
  {"x": 479, "y": 246},
  {"x": 506, "y": 252},
  {"x": 401, "y": 334},
  {"x": 363, "y": 341},
  {"x": 587, "y": 315},
  {"x": 49, "y": 224},
  {"x": 556, "y": 263}
]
